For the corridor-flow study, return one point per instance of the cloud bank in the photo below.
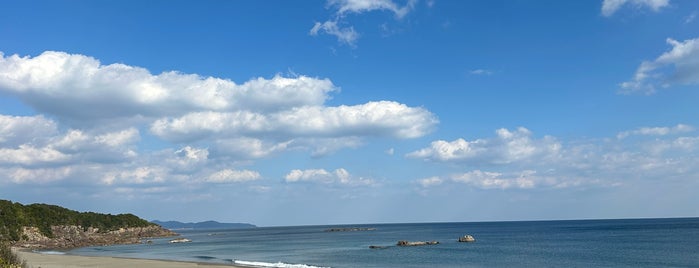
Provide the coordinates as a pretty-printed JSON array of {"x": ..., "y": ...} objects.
[
  {"x": 81, "y": 92},
  {"x": 517, "y": 160},
  {"x": 69, "y": 85},
  {"x": 339, "y": 176},
  {"x": 97, "y": 123},
  {"x": 507, "y": 147}
]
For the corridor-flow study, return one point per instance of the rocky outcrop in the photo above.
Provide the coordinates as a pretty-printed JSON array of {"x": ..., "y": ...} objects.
[
  {"x": 72, "y": 236},
  {"x": 467, "y": 238},
  {"x": 404, "y": 243}
]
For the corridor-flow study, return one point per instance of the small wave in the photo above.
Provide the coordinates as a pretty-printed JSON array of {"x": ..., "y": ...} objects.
[
  {"x": 274, "y": 265},
  {"x": 50, "y": 252}
]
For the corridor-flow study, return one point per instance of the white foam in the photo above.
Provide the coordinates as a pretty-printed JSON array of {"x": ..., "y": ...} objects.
[
  {"x": 50, "y": 252},
  {"x": 274, "y": 265}
]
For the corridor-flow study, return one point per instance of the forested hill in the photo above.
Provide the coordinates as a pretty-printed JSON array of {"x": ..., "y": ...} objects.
[{"x": 15, "y": 216}]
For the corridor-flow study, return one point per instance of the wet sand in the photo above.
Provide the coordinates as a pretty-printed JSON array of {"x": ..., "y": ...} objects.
[{"x": 36, "y": 260}]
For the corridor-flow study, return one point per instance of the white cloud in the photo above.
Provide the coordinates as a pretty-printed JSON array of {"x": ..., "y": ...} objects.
[
  {"x": 506, "y": 147},
  {"x": 446, "y": 151},
  {"x": 348, "y": 35},
  {"x": 16, "y": 130},
  {"x": 193, "y": 154},
  {"x": 687, "y": 143},
  {"x": 609, "y": 7},
  {"x": 656, "y": 131},
  {"x": 489, "y": 180},
  {"x": 514, "y": 160},
  {"x": 320, "y": 147},
  {"x": 88, "y": 135},
  {"x": 232, "y": 176},
  {"x": 105, "y": 105},
  {"x": 319, "y": 175},
  {"x": 480, "y": 72},
  {"x": 185, "y": 160},
  {"x": 251, "y": 148},
  {"x": 113, "y": 146},
  {"x": 339, "y": 176},
  {"x": 361, "y": 6},
  {"x": 38, "y": 175},
  {"x": 679, "y": 66},
  {"x": 79, "y": 141},
  {"x": 140, "y": 175},
  {"x": 27, "y": 155},
  {"x": 34, "y": 150},
  {"x": 431, "y": 181},
  {"x": 671, "y": 147},
  {"x": 345, "y": 35},
  {"x": 67, "y": 85},
  {"x": 384, "y": 118},
  {"x": 526, "y": 179},
  {"x": 248, "y": 148}
]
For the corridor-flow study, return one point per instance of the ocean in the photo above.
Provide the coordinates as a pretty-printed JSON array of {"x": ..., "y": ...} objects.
[{"x": 572, "y": 243}]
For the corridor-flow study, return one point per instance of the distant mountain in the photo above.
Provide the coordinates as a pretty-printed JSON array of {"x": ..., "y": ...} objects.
[{"x": 202, "y": 225}]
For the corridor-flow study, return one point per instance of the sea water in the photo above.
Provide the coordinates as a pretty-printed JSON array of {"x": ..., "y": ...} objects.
[{"x": 576, "y": 243}]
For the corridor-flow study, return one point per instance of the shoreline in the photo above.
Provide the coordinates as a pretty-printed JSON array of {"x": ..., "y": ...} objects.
[{"x": 36, "y": 260}]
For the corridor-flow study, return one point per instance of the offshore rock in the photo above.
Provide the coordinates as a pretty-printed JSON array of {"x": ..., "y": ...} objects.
[
  {"x": 404, "y": 243},
  {"x": 467, "y": 238},
  {"x": 72, "y": 236}
]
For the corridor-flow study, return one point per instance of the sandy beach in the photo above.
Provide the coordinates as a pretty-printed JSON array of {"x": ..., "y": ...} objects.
[{"x": 36, "y": 260}]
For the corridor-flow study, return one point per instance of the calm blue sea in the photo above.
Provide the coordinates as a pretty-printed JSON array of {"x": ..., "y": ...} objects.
[{"x": 579, "y": 243}]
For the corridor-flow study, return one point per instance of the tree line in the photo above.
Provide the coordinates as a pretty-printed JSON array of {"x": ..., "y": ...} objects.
[{"x": 14, "y": 216}]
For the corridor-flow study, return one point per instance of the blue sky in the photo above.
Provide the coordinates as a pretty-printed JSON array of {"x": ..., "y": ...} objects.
[{"x": 352, "y": 111}]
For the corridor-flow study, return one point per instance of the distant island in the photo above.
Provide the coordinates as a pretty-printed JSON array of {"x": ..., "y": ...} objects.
[
  {"x": 51, "y": 226},
  {"x": 174, "y": 225}
]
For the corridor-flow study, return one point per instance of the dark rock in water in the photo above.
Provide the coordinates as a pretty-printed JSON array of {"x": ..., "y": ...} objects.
[
  {"x": 405, "y": 243},
  {"x": 467, "y": 238},
  {"x": 377, "y": 247},
  {"x": 350, "y": 229}
]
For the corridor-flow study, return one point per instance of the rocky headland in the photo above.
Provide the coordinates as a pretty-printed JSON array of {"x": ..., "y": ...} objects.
[
  {"x": 54, "y": 227},
  {"x": 72, "y": 236}
]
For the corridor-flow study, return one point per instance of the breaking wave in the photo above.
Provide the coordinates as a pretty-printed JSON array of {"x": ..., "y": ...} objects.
[
  {"x": 274, "y": 265},
  {"x": 50, "y": 252}
]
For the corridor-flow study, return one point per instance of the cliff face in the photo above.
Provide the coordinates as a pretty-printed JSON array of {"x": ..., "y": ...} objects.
[{"x": 72, "y": 236}]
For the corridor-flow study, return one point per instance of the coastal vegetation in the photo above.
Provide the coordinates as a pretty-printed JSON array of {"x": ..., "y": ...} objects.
[
  {"x": 15, "y": 216},
  {"x": 8, "y": 259},
  {"x": 50, "y": 226}
]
